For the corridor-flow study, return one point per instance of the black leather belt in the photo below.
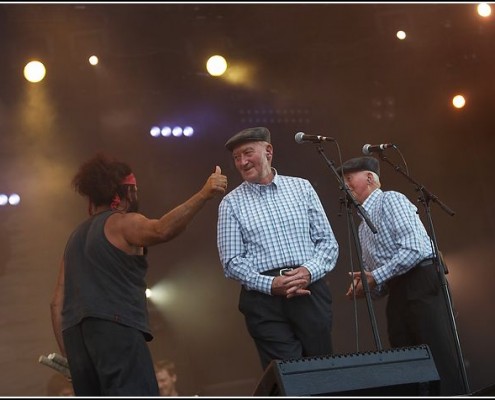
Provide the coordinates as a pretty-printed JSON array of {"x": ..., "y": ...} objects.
[
  {"x": 397, "y": 279},
  {"x": 426, "y": 263},
  {"x": 277, "y": 272}
]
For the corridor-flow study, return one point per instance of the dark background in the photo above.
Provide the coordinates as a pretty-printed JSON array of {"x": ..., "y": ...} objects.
[{"x": 325, "y": 69}]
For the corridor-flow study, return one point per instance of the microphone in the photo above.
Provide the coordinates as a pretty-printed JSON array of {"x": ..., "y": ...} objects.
[
  {"x": 302, "y": 137},
  {"x": 376, "y": 148},
  {"x": 59, "y": 359},
  {"x": 57, "y": 362}
]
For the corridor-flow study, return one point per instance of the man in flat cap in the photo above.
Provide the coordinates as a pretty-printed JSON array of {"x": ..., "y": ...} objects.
[
  {"x": 274, "y": 238},
  {"x": 398, "y": 261}
]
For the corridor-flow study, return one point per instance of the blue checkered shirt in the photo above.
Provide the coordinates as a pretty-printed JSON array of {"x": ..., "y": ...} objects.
[
  {"x": 401, "y": 241},
  {"x": 264, "y": 227}
]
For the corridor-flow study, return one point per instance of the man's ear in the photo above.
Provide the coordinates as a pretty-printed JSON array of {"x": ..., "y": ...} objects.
[{"x": 269, "y": 151}]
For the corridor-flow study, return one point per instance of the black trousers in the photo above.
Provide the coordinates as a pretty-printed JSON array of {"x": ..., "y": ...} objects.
[
  {"x": 417, "y": 314},
  {"x": 292, "y": 328},
  {"x": 109, "y": 359}
]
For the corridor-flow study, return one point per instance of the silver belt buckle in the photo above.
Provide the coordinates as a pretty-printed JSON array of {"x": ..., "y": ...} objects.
[{"x": 283, "y": 270}]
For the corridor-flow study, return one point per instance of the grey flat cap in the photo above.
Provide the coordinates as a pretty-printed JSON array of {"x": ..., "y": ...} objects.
[
  {"x": 360, "y": 164},
  {"x": 248, "y": 135}
]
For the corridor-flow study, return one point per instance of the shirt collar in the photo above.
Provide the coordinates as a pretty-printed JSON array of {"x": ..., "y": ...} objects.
[
  {"x": 372, "y": 198},
  {"x": 370, "y": 201},
  {"x": 257, "y": 187}
]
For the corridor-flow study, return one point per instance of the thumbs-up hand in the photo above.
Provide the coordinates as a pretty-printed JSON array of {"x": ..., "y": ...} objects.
[{"x": 216, "y": 183}]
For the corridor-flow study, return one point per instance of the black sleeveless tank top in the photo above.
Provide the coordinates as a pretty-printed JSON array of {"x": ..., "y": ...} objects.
[{"x": 102, "y": 281}]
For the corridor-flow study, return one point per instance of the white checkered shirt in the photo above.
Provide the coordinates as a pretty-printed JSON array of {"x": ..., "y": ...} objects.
[
  {"x": 264, "y": 227},
  {"x": 401, "y": 241}
]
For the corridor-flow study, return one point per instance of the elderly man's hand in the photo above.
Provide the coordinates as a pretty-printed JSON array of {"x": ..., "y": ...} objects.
[
  {"x": 292, "y": 283},
  {"x": 356, "y": 287}
]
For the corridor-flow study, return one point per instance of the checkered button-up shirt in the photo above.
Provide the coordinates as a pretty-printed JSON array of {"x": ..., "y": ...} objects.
[
  {"x": 401, "y": 241},
  {"x": 264, "y": 227}
]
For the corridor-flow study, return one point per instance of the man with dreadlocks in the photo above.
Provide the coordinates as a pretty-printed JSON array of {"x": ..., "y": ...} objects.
[{"x": 99, "y": 313}]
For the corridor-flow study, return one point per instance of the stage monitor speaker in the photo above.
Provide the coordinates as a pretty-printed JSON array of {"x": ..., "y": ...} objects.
[
  {"x": 403, "y": 371},
  {"x": 487, "y": 391}
]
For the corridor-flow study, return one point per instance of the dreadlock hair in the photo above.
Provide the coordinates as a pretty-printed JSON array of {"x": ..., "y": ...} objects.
[{"x": 100, "y": 179}]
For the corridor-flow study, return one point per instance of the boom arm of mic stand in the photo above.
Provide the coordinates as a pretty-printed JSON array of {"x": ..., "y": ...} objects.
[
  {"x": 427, "y": 194},
  {"x": 362, "y": 211}
]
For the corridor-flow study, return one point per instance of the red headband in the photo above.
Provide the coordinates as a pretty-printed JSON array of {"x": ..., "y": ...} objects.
[{"x": 129, "y": 180}]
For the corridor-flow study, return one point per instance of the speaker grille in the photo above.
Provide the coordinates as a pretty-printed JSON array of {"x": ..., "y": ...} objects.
[{"x": 399, "y": 371}]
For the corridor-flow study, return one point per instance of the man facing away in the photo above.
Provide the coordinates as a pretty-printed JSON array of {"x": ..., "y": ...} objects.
[{"x": 99, "y": 312}]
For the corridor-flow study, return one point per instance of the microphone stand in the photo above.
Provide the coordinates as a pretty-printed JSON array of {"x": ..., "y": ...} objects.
[
  {"x": 349, "y": 199},
  {"x": 425, "y": 198}
]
